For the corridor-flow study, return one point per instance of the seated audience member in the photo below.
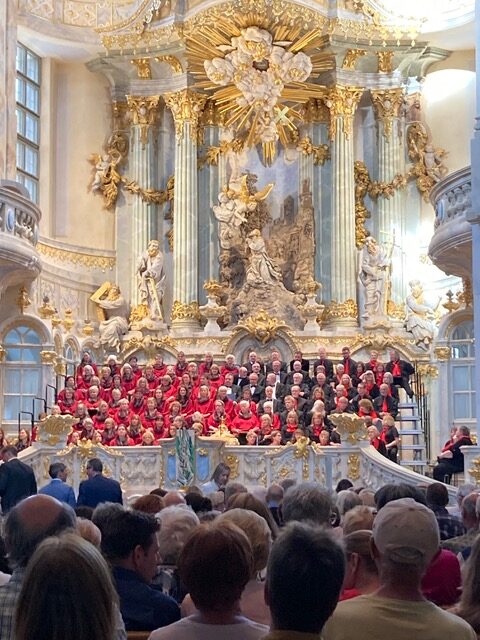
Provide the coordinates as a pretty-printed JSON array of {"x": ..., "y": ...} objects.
[
  {"x": 215, "y": 566},
  {"x": 28, "y": 523},
  {"x": 251, "y": 438},
  {"x": 218, "y": 480},
  {"x": 176, "y": 525},
  {"x": 150, "y": 503},
  {"x": 384, "y": 404},
  {"x": 67, "y": 592},
  {"x": 469, "y": 606},
  {"x": 251, "y": 503},
  {"x": 275, "y": 438},
  {"x": 451, "y": 460},
  {"x": 343, "y": 484},
  {"x": 361, "y": 574},
  {"x": 376, "y": 441},
  {"x": 307, "y": 502},
  {"x": 360, "y": 518},
  {"x": 347, "y": 500},
  {"x": 252, "y": 603},
  {"x": 129, "y": 542},
  {"x": 303, "y": 555},
  {"x": 437, "y": 500},
  {"x": 470, "y": 511},
  {"x": 405, "y": 540},
  {"x": 390, "y": 437},
  {"x": 23, "y": 441},
  {"x": 58, "y": 487},
  {"x": 391, "y": 492},
  {"x": 198, "y": 503},
  {"x": 442, "y": 581},
  {"x": 233, "y": 488},
  {"x": 401, "y": 371},
  {"x": 324, "y": 438},
  {"x": 173, "y": 498},
  {"x": 273, "y": 500}
]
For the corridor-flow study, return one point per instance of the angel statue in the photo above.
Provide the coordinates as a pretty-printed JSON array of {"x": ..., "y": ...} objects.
[
  {"x": 113, "y": 314},
  {"x": 420, "y": 315}
]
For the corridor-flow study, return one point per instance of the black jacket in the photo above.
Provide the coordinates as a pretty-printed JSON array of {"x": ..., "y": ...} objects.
[{"x": 17, "y": 481}]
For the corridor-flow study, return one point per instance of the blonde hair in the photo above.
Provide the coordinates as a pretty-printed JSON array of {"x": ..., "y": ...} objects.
[
  {"x": 256, "y": 530},
  {"x": 357, "y": 519},
  {"x": 67, "y": 593}
]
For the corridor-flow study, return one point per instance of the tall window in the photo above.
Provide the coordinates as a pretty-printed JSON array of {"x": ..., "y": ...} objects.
[
  {"x": 23, "y": 373},
  {"x": 28, "y": 119},
  {"x": 462, "y": 372}
]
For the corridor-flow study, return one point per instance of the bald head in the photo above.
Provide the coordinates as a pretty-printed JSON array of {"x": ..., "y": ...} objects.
[
  {"x": 31, "y": 521},
  {"x": 172, "y": 498}
]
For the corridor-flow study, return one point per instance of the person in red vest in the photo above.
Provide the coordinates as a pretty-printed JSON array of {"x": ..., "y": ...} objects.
[{"x": 401, "y": 371}]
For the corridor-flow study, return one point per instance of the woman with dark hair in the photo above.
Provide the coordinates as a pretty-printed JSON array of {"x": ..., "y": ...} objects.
[
  {"x": 23, "y": 441},
  {"x": 219, "y": 479},
  {"x": 3, "y": 440}
]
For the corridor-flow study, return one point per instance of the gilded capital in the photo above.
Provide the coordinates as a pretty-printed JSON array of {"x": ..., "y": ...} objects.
[
  {"x": 342, "y": 102},
  {"x": 184, "y": 311},
  {"x": 386, "y": 104},
  {"x": 143, "y": 113},
  {"x": 186, "y": 106}
]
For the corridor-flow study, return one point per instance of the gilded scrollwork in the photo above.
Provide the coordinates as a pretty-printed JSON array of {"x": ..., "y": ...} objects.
[
  {"x": 184, "y": 311},
  {"x": 350, "y": 427},
  {"x": 428, "y": 166},
  {"x": 262, "y": 326},
  {"x": 342, "y": 101},
  {"x": 173, "y": 61},
  {"x": 143, "y": 113},
  {"x": 186, "y": 107},
  {"x": 320, "y": 152},
  {"x": 144, "y": 71},
  {"x": 386, "y": 105},
  {"x": 340, "y": 310},
  {"x": 351, "y": 57}
]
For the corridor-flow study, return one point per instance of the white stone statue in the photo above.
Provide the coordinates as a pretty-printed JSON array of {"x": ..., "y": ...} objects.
[
  {"x": 260, "y": 268},
  {"x": 375, "y": 273},
  {"x": 229, "y": 213},
  {"x": 151, "y": 279},
  {"x": 115, "y": 313},
  {"x": 101, "y": 168},
  {"x": 420, "y": 316}
]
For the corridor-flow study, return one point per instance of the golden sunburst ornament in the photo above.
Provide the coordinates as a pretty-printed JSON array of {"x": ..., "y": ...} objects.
[{"x": 257, "y": 77}]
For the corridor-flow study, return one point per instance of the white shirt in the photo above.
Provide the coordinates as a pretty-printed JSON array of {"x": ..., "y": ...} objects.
[{"x": 188, "y": 629}]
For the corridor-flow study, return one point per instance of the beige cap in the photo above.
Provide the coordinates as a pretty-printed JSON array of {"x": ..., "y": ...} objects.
[{"x": 407, "y": 532}]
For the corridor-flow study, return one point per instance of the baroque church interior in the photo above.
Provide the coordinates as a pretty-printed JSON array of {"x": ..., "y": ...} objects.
[{"x": 188, "y": 177}]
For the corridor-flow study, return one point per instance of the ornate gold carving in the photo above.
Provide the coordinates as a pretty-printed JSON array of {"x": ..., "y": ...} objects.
[
  {"x": 321, "y": 152},
  {"x": 314, "y": 110},
  {"x": 119, "y": 115},
  {"x": 144, "y": 72},
  {"x": 213, "y": 153},
  {"x": 60, "y": 367},
  {"x": 222, "y": 432},
  {"x": 186, "y": 106},
  {"x": 450, "y": 305},
  {"x": 82, "y": 259},
  {"x": 88, "y": 449},
  {"x": 144, "y": 112},
  {"x": 54, "y": 429},
  {"x": 174, "y": 62},
  {"x": 48, "y": 357},
  {"x": 351, "y": 57},
  {"x": 3, "y": 354},
  {"x": 184, "y": 311},
  {"x": 427, "y": 370},
  {"x": 23, "y": 301},
  {"x": 396, "y": 310},
  {"x": 347, "y": 309},
  {"x": 46, "y": 310},
  {"x": 364, "y": 186},
  {"x": 213, "y": 289},
  {"x": 466, "y": 296},
  {"x": 261, "y": 326},
  {"x": 385, "y": 61},
  {"x": 428, "y": 167},
  {"x": 353, "y": 466},
  {"x": 386, "y": 104},
  {"x": 87, "y": 328},
  {"x": 342, "y": 102},
  {"x": 233, "y": 462},
  {"x": 474, "y": 470},
  {"x": 442, "y": 353},
  {"x": 68, "y": 320},
  {"x": 350, "y": 427}
]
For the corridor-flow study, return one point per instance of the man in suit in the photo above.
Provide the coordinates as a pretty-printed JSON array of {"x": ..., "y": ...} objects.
[
  {"x": 98, "y": 488},
  {"x": 279, "y": 389},
  {"x": 384, "y": 403},
  {"x": 297, "y": 368},
  {"x": 58, "y": 487},
  {"x": 401, "y": 371},
  {"x": 256, "y": 389},
  {"x": 17, "y": 480},
  {"x": 298, "y": 355},
  {"x": 280, "y": 376},
  {"x": 325, "y": 362},
  {"x": 252, "y": 357},
  {"x": 350, "y": 366},
  {"x": 275, "y": 356}
]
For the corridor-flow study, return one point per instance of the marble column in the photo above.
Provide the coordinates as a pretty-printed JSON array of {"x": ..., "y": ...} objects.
[
  {"x": 8, "y": 121},
  {"x": 391, "y": 163},
  {"x": 143, "y": 169},
  {"x": 186, "y": 107},
  {"x": 342, "y": 102}
]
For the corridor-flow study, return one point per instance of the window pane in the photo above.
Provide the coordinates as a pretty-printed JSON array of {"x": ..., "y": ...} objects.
[
  {"x": 32, "y": 186},
  {"x": 31, "y": 100},
  {"x": 20, "y": 155},
  {"x": 20, "y": 90},
  {"x": 460, "y": 379},
  {"x": 14, "y": 355},
  {"x": 32, "y": 67},
  {"x": 21, "y": 58},
  {"x": 31, "y": 354},
  {"x": 20, "y": 122},
  {"x": 12, "y": 380},
  {"x": 12, "y": 337},
  {"x": 12, "y": 407},
  {"x": 31, "y": 161},
  {"x": 463, "y": 331},
  {"x": 473, "y": 409},
  {"x": 31, "y": 128},
  {"x": 460, "y": 351},
  {"x": 461, "y": 404},
  {"x": 31, "y": 337},
  {"x": 31, "y": 382}
]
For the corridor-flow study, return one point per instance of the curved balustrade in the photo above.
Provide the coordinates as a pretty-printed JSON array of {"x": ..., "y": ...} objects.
[
  {"x": 451, "y": 244},
  {"x": 141, "y": 469},
  {"x": 19, "y": 222}
]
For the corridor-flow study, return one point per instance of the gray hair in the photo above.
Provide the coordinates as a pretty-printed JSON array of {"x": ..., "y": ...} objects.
[
  {"x": 176, "y": 524},
  {"x": 232, "y": 488},
  {"x": 464, "y": 490},
  {"x": 105, "y": 513},
  {"x": 22, "y": 540},
  {"x": 346, "y": 500},
  {"x": 257, "y": 531},
  {"x": 307, "y": 502}
]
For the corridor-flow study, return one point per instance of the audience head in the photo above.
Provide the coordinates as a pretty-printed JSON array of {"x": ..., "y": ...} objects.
[
  {"x": 357, "y": 546},
  {"x": 406, "y": 536},
  {"x": 215, "y": 566},
  {"x": 307, "y": 502},
  {"x": 437, "y": 495},
  {"x": 150, "y": 503},
  {"x": 58, "y": 470},
  {"x": 274, "y": 495},
  {"x": 197, "y": 502},
  {"x": 390, "y": 492},
  {"x": 94, "y": 467},
  {"x": 221, "y": 474},
  {"x": 31, "y": 521},
  {"x": 468, "y": 607},
  {"x": 343, "y": 484},
  {"x": 464, "y": 490},
  {"x": 304, "y": 555},
  {"x": 251, "y": 503},
  {"x": 89, "y": 532},
  {"x": 176, "y": 524},
  {"x": 172, "y": 498},
  {"x": 357, "y": 519},
  {"x": 67, "y": 592},
  {"x": 256, "y": 530},
  {"x": 346, "y": 500}
]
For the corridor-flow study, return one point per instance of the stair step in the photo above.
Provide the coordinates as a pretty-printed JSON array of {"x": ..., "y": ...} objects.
[
  {"x": 401, "y": 418},
  {"x": 410, "y": 432},
  {"x": 413, "y": 463},
  {"x": 412, "y": 447}
]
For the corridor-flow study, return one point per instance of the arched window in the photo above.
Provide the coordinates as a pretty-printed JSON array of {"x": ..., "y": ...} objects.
[
  {"x": 462, "y": 372},
  {"x": 23, "y": 373},
  {"x": 70, "y": 354}
]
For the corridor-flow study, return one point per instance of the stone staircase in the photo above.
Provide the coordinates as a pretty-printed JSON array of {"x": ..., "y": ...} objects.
[{"x": 412, "y": 450}]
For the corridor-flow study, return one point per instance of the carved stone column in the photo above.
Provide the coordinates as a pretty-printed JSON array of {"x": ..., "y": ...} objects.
[
  {"x": 186, "y": 107},
  {"x": 143, "y": 169},
  {"x": 342, "y": 102},
  {"x": 391, "y": 163}
]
